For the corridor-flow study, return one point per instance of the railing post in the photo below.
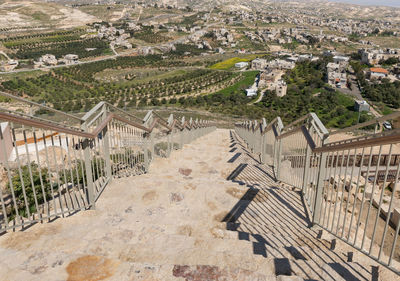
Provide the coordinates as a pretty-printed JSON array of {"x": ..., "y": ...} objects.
[
  {"x": 278, "y": 159},
  {"x": 169, "y": 140},
  {"x": 88, "y": 170},
  {"x": 307, "y": 160},
  {"x": 306, "y": 166},
  {"x": 106, "y": 142},
  {"x": 181, "y": 138},
  {"x": 151, "y": 145},
  {"x": 107, "y": 155},
  {"x": 146, "y": 153},
  {"x": 89, "y": 175},
  {"x": 319, "y": 189}
]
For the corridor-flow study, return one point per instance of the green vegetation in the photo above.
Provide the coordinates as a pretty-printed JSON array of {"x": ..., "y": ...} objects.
[
  {"x": 25, "y": 186},
  {"x": 307, "y": 92},
  {"x": 148, "y": 35},
  {"x": 384, "y": 91},
  {"x": 58, "y": 43},
  {"x": 78, "y": 88}
]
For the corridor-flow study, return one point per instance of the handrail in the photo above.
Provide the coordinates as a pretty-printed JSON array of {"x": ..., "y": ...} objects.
[
  {"x": 367, "y": 123},
  {"x": 92, "y": 111},
  {"x": 359, "y": 143},
  {"x": 39, "y": 105},
  {"x": 109, "y": 144},
  {"x": 291, "y": 132},
  {"x": 26, "y": 116},
  {"x": 123, "y": 111},
  {"x": 305, "y": 161},
  {"x": 296, "y": 122},
  {"x": 43, "y": 125}
]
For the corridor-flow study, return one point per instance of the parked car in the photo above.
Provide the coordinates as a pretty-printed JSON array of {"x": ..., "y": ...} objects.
[{"x": 387, "y": 125}]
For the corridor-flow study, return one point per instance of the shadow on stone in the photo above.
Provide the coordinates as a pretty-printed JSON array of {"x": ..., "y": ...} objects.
[
  {"x": 234, "y": 158},
  {"x": 282, "y": 267},
  {"x": 344, "y": 272},
  {"x": 295, "y": 253}
]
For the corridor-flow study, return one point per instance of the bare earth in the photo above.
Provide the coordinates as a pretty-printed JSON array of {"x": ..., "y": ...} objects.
[{"x": 209, "y": 212}]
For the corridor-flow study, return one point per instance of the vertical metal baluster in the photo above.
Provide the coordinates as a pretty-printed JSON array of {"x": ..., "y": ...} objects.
[
  {"x": 66, "y": 185},
  {"x": 131, "y": 154},
  {"x": 84, "y": 174},
  {"x": 381, "y": 197},
  {"x": 111, "y": 136},
  {"x": 118, "y": 154},
  {"x": 49, "y": 173},
  {"x": 70, "y": 168},
  {"x": 77, "y": 164},
  {"x": 122, "y": 150},
  {"x": 58, "y": 178},
  {"x": 20, "y": 172},
  {"x": 3, "y": 206},
  {"x": 45, "y": 203},
  {"x": 356, "y": 194},
  {"x": 30, "y": 173},
  {"x": 337, "y": 188},
  {"x": 95, "y": 168},
  {"x": 388, "y": 217},
  {"x": 330, "y": 158},
  {"x": 101, "y": 161},
  {"x": 349, "y": 192},
  {"x": 125, "y": 142},
  {"x": 343, "y": 191},
  {"x": 363, "y": 197},
  {"x": 372, "y": 195}
]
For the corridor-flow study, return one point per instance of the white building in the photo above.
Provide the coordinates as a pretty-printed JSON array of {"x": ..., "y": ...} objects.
[
  {"x": 48, "y": 59},
  {"x": 337, "y": 76},
  {"x": 251, "y": 92},
  {"x": 241, "y": 64},
  {"x": 70, "y": 59},
  {"x": 281, "y": 88},
  {"x": 9, "y": 65}
]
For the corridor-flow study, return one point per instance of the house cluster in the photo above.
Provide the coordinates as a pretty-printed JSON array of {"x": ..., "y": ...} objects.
[
  {"x": 375, "y": 56},
  {"x": 271, "y": 73},
  {"x": 224, "y": 37},
  {"x": 51, "y": 60},
  {"x": 337, "y": 71},
  {"x": 288, "y": 35},
  {"x": 117, "y": 37}
]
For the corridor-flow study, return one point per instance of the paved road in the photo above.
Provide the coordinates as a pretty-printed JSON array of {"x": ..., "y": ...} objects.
[{"x": 356, "y": 94}]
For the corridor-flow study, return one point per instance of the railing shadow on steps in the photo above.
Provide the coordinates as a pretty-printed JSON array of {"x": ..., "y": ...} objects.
[
  {"x": 52, "y": 169},
  {"x": 349, "y": 186},
  {"x": 275, "y": 221}
]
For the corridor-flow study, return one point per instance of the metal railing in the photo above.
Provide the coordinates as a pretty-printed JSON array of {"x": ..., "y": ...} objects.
[
  {"x": 53, "y": 169},
  {"x": 350, "y": 186}
]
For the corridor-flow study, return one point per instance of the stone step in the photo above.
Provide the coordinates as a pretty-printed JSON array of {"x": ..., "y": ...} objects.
[
  {"x": 151, "y": 271},
  {"x": 283, "y": 230},
  {"x": 181, "y": 249},
  {"x": 272, "y": 269}
]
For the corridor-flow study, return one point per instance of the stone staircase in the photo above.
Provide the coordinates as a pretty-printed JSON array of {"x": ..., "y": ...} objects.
[{"x": 209, "y": 212}]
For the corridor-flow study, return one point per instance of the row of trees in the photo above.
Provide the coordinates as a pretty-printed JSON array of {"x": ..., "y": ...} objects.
[{"x": 34, "y": 51}]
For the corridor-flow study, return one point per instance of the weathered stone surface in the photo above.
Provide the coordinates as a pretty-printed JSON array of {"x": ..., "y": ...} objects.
[
  {"x": 90, "y": 268},
  {"x": 185, "y": 171},
  {"x": 288, "y": 278},
  {"x": 244, "y": 228},
  {"x": 214, "y": 273},
  {"x": 176, "y": 197}
]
